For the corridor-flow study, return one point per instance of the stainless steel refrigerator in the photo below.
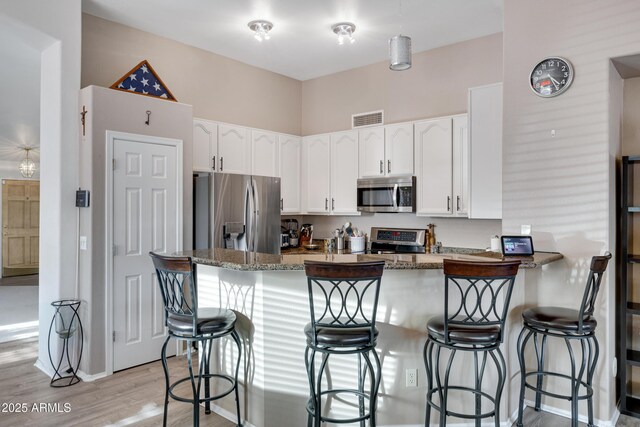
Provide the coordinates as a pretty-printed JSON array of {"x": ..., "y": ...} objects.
[{"x": 236, "y": 212}]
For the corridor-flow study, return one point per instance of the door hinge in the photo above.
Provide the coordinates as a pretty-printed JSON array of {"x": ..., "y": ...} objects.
[
  {"x": 113, "y": 164},
  {"x": 114, "y": 336}
]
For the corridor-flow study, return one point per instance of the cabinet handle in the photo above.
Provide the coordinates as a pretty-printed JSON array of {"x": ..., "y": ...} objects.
[
  {"x": 326, "y": 204},
  {"x": 381, "y": 167},
  {"x": 458, "y": 203},
  {"x": 388, "y": 166},
  {"x": 448, "y": 203},
  {"x": 221, "y": 164},
  {"x": 333, "y": 204},
  {"x": 214, "y": 162},
  {"x": 281, "y": 204}
]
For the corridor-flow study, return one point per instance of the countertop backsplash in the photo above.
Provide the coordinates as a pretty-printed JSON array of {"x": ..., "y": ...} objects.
[{"x": 457, "y": 232}]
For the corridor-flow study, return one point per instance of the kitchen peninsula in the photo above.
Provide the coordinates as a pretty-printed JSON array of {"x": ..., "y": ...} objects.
[{"x": 269, "y": 295}]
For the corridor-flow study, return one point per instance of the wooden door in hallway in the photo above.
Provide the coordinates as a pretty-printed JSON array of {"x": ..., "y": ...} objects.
[{"x": 20, "y": 227}]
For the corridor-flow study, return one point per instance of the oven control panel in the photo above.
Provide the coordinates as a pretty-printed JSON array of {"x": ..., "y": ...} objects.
[{"x": 398, "y": 236}]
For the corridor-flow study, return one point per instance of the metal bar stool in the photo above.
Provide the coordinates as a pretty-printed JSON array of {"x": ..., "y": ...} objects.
[
  {"x": 476, "y": 302},
  {"x": 343, "y": 299},
  {"x": 186, "y": 321},
  {"x": 570, "y": 325}
]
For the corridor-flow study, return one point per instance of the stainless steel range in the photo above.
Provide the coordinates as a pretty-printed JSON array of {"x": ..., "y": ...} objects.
[{"x": 397, "y": 240}]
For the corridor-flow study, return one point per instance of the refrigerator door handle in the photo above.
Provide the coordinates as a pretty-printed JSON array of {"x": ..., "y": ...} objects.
[
  {"x": 255, "y": 231},
  {"x": 248, "y": 217}
]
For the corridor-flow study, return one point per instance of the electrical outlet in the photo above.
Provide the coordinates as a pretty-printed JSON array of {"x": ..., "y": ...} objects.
[
  {"x": 411, "y": 378},
  {"x": 525, "y": 229},
  {"x": 83, "y": 243}
]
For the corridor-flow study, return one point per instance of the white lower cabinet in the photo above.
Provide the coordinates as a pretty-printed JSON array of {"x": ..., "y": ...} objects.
[
  {"x": 330, "y": 173},
  {"x": 290, "y": 158},
  {"x": 441, "y": 147}
]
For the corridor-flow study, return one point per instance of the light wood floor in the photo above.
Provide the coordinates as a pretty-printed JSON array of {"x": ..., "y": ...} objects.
[{"x": 131, "y": 397}]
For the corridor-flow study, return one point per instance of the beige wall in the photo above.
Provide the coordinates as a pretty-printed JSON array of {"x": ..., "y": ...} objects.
[
  {"x": 436, "y": 85},
  {"x": 564, "y": 186},
  {"x": 631, "y": 118},
  {"x": 217, "y": 87}
]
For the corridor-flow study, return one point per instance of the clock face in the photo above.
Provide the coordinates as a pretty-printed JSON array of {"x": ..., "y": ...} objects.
[{"x": 551, "y": 77}]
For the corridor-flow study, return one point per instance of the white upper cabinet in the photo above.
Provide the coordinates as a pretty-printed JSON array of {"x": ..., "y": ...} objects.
[
  {"x": 316, "y": 164},
  {"x": 264, "y": 153},
  {"x": 386, "y": 151},
  {"x": 434, "y": 167},
  {"x": 371, "y": 152},
  {"x": 205, "y": 145},
  {"x": 234, "y": 149},
  {"x": 290, "y": 158},
  {"x": 344, "y": 172},
  {"x": 485, "y": 141},
  {"x": 460, "y": 165},
  {"x": 398, "y": 148}
]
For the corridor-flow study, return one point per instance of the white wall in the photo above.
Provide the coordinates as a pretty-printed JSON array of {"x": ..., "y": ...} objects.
[
  {"x": 57, "y": 26},
  {"x": 564, "y": 186}
]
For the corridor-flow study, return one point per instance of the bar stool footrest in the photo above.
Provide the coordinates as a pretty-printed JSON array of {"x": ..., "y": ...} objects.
[
  {"x": 588, "y": 388},
  {"x": 482, "y": 394},
  {"x": 228, "y": 378},
  {"x": 335, "y": 392}
]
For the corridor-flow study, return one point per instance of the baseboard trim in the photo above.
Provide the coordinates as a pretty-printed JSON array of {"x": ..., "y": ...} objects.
[
  {"x": 44, "y": 368},
  {"x": 231, "y": 416},
  {"x": 581, "y": 418},
  {"x": 90, "y": 378}
]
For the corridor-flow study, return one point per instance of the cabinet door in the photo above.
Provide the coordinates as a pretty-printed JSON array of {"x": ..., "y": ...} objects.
[
  {"x": 233, "y": 149},
  {"x": 485, "y": 142},
  {"x": 264, "y": 153},
  {"x": 344, "y": 172},
  {"x": 316, "y": 163},
  {"x": 371, "y": 147},
  {"x": 399, "y": 149},
  {"x": 460, "y": 165},
  {"x": 290, "y": 158},
  {"x": 434, "y": 166},
  {"x": 205, "y": 145}
]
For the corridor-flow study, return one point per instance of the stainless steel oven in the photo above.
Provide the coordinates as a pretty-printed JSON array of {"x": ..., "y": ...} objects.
[{"x": 387, "y": 194}]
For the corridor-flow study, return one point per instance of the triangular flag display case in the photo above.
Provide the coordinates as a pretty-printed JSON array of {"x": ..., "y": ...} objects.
[{"x": 143, "y": 80}]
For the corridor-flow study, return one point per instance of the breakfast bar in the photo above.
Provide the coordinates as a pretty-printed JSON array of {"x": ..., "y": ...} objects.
[{"x": 269, "y": 295}]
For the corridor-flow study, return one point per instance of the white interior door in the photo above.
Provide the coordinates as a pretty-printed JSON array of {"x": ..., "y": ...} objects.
[{"x": 146, "y": 214}]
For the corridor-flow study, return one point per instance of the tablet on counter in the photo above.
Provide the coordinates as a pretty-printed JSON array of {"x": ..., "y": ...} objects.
[{"x": 517, "y": 246}]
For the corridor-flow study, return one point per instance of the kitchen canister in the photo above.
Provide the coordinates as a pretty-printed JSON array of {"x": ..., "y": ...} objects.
[
  {"x": 495, "y": 244},
  {"x": 357, "y": 244}
]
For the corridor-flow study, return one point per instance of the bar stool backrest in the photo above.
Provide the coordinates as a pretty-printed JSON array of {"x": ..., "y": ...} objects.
[
  {"x": 178, "y": 287},
  {"x": 477, "y": 293},
  {"x": 343, "y": 295},
  {"x": 596, "y": 271}
]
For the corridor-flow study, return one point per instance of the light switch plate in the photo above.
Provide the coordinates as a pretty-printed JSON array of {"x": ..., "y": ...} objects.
[{"x": 83, "y": 243}]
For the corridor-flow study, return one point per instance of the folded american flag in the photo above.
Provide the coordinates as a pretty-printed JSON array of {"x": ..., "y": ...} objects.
[{"x": 143, "y": 79}]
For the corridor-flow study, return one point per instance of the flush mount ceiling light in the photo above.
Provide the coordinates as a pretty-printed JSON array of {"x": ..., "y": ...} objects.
[
  {"x": 261, "y": 29},
  {"x": 345, "y": 31},
  {"x": 400, "y": 53},
  {"x": 27, "y": 166}
]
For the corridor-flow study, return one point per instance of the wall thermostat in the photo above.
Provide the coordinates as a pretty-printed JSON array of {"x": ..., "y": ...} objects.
[{"x": 82, "y": 199}]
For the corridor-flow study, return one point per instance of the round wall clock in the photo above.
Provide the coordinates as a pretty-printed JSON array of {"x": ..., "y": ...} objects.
[{"x": 551, "y": 77}]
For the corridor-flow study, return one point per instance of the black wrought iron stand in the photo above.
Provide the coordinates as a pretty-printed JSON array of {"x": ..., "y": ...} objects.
[{"x": 67, "y": 322}]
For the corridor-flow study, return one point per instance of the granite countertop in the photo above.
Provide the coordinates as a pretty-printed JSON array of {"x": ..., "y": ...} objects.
[{"x": 256, "y": 261}]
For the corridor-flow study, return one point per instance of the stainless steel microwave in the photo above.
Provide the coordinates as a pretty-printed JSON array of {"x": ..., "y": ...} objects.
[{"x": 387, "y": 194}]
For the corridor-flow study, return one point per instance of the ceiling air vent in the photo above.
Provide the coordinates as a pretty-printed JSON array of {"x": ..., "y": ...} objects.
[{"x": 372, "y": 118}]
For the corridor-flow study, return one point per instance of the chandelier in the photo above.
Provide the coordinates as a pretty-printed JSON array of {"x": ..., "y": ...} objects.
[{"x": 27, "y": 167}]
